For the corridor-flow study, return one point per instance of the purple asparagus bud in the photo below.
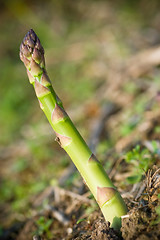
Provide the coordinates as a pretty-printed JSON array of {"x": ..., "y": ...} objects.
[{"x": 32, "y": 54}]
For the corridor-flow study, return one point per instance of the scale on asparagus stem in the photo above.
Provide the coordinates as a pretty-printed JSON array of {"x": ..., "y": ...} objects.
[{"x": 105, "y": 193}]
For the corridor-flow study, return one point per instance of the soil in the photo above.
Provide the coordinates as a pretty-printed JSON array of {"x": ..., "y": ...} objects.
[{"x": 139, "y": 223}]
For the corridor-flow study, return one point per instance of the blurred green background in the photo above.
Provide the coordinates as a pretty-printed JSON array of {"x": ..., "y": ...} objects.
[{"x": 82, "y": 41}]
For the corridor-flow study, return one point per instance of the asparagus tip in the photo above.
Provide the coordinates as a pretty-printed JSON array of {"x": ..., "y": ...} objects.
[{"x": 32, "y": 53}]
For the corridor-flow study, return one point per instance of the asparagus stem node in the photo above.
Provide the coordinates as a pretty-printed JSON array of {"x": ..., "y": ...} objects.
[{"x": 105, "y": 193}]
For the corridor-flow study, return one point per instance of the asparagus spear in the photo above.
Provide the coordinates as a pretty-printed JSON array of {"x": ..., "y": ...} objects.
[{"x": 105, "y": 193}]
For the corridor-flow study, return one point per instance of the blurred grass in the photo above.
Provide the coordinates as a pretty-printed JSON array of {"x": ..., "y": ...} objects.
[{"x": 78, "y": 37}]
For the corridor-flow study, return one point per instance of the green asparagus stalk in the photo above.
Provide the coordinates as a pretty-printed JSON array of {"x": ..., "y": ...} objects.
[{"x": 105, "y": 193}]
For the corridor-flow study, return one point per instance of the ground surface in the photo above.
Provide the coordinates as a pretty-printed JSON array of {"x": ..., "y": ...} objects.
[{"x": 103, "y": 59}]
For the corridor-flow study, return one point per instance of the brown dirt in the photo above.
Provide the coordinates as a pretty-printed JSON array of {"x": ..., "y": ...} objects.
[{"x": 139, "y": 224}]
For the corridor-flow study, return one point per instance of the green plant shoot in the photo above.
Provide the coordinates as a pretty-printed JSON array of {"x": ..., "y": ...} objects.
[{"x": 105, "y": 193}]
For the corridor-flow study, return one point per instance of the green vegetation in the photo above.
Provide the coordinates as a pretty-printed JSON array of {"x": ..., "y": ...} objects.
[
  {"x": 158, "y": 215},
  {"x": 140, "y": 160},
  {"x": 81, "y": 220},
  {"x": 43, "y": 226}
]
